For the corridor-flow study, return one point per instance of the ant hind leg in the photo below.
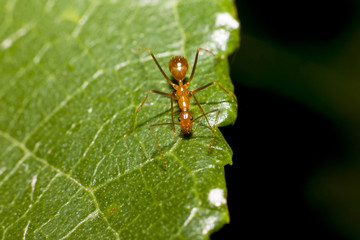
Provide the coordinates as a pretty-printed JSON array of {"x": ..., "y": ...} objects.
[
  {"x": 213, "y": 129},
  {"x": 141, "y": 105},
  {"x": 157, "y": 142}
]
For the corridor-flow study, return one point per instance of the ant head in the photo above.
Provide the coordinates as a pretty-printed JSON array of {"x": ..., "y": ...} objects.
[
  {"x": 178, "y": 67},
  {"x": 186, "y": 122}
]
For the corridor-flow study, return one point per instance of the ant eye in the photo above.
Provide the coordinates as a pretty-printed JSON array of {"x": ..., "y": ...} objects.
[
  {"x": 191, "y": 118},
  {"x": 179, "y": 119}
]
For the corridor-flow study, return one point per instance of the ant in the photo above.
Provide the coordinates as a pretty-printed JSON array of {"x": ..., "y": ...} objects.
[{"x": 178, "y": 67}]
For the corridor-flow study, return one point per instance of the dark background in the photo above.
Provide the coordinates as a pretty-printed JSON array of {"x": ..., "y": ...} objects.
[{"x": 296, "y": 164}]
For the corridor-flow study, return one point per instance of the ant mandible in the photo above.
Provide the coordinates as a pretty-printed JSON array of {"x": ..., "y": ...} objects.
[{"x": 178, "y": 67}]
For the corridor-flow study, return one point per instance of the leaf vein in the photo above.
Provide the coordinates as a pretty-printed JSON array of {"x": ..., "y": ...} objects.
[
  {"x": 93, "y": 141},
  {"x": 91, "y": 215},
  {"x": 63, "y": 103}
]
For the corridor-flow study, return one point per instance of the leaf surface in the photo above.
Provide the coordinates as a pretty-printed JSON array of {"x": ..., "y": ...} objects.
[{"x": 72, "y": 77}]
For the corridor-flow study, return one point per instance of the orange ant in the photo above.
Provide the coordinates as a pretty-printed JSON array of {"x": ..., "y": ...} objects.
[{"x": 178, "y": 67}]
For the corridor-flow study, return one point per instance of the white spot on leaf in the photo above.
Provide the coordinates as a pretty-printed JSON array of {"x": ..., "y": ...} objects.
[
  {"x": 225, "y": 19},
  {"x": 216, "y": 197},
  {"x": 221, "y": 37},
  {"x": 209, "y": 225}
]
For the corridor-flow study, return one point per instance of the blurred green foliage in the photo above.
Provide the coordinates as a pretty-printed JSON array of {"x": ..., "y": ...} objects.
[{"x": 309, "y": 52}]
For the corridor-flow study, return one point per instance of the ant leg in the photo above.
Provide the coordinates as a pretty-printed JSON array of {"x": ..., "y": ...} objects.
[
  {"x": 215, "y": 83},
  {"x": 138, "y": 110},
  {"x": 161, "y": 70},
  {"x": 172, "y": 111},
  {"x": 213, "y": 131},
  {"x": 195, "y": 62},
  {"x": 203, "y": 113},
  {"x": 213, "y": 128},
  {"x": 157, "y": 143}
]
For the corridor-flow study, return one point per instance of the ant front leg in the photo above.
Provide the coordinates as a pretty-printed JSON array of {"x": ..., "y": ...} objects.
[
  {"x": 157, "y": 143},
  {"x": 138, "y": 110},
  {"x": 160, "y": 68},
  {"x": 195, "y": 62}
]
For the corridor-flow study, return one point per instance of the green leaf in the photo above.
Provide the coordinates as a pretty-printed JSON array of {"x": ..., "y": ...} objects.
[{"x": 72, "y": 77}]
